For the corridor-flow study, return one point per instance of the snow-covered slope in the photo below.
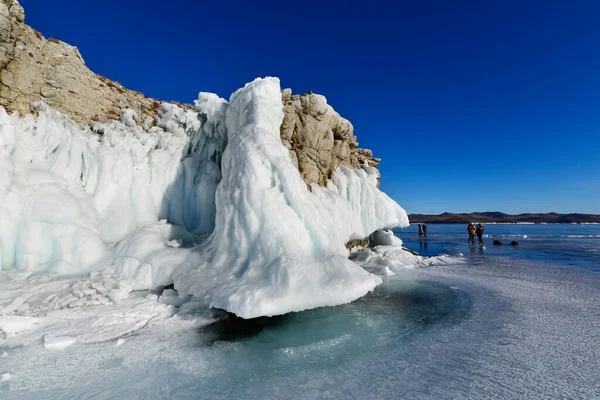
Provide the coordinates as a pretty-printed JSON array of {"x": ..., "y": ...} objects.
[{"x": 73, "y": 199}]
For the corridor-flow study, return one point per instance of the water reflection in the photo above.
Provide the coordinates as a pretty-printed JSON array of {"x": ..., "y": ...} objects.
[{"x": 423, "y": 246}]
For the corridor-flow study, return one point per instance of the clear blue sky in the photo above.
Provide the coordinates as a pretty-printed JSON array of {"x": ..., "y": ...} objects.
[{"x": 473, "y": 105}]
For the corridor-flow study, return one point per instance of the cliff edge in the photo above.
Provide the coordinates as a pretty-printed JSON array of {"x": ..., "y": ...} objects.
[{"x": 34, "y": 68}]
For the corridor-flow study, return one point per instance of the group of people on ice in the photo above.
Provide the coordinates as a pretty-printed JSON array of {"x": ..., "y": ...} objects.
[
  {"x": 472, "y": 229},
  {"x": 475, "y": 230}
]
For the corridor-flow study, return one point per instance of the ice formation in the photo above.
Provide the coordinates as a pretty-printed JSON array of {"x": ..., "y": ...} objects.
[
  {"x": 385, "y": 238},
  {"x": 208, "y": 200}
]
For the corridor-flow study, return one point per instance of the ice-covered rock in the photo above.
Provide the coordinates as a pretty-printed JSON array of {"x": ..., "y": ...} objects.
[{"x": 216, "y": 181}]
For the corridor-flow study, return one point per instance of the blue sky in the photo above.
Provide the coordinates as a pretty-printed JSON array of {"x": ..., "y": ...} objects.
[{"x": 473, "y": 106}]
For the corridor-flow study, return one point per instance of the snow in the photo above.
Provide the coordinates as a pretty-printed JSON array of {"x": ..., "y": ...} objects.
[
  {"x": 5, "y": 377},
  {"x": 208, "y": 200}
]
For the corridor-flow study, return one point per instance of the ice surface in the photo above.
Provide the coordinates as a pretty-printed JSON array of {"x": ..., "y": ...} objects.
[
  {"x": 493, "y": 327},
  {"x": 242, "y": 231}
]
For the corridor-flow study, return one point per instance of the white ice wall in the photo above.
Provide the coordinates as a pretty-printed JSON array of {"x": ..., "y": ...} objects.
[
  {"x": 71, "y": 197},
  {"x": 66, "y": 192}
]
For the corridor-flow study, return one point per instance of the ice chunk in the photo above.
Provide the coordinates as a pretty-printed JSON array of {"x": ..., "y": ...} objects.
[
  {"x": 385, "y": 238},
  {"x": 15, "y": 323},
  {"x": 5, "y": 377},
  {"x": 52, "y": 342}
]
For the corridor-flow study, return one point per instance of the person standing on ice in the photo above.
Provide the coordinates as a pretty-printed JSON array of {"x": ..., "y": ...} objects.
[
  {"x": 424, "y": 229},
  {"x": 471, "y": 230},
  {"x": 420, "y": 230},
  {"x": 479, "y": 232}
]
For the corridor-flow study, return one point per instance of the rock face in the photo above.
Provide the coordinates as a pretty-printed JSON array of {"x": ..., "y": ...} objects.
[
  {"x": 318, "y": 138},
  {"x": 33, "y": 68}
]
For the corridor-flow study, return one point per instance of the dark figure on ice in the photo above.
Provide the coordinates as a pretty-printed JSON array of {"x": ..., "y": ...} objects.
[
  {"x": 471, "y": 230},
  {"x": 420, "y": 230},
  {"x": 479, "y": 232},
  {"x": 425, "y": 229}
]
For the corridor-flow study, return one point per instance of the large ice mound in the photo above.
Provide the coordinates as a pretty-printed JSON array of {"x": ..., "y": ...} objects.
[{"x": 73, "y": 197}]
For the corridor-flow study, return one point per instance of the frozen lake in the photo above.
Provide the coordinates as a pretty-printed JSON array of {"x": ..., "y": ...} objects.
[{"x": 504, "y": 323}]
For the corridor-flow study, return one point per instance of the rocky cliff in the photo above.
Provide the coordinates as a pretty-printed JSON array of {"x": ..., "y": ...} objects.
[
  {"x": 318, "y": 138},
  {"x": 34, "y": 68}
]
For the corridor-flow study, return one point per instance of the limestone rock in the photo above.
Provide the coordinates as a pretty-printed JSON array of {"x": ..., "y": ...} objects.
[
  {"x": 318, "y": 138},
  {"x": 34, "y": 68}
]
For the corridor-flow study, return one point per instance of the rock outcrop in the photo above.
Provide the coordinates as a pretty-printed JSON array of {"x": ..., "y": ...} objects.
[
  {"x": 318, "y": 138},
  {"x": 33, "y": 68}
]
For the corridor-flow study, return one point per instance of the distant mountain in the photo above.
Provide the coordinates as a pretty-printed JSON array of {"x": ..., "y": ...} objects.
[{"x": 496, "y": 216}]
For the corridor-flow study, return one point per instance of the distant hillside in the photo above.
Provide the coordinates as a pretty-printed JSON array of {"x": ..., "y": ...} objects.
[{"x": 496, "y": 216}]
